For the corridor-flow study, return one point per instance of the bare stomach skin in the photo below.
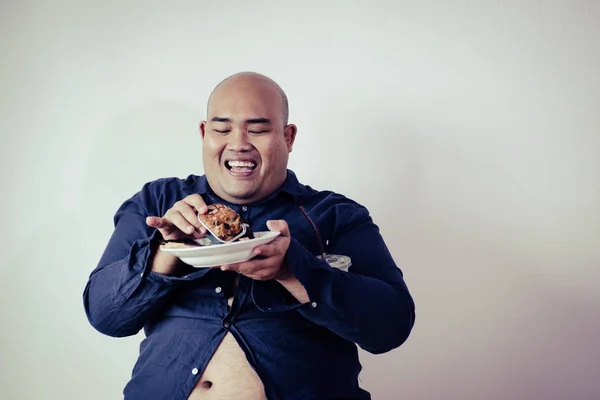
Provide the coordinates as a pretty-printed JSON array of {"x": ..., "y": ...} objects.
[{"x": 228, "y": 375}]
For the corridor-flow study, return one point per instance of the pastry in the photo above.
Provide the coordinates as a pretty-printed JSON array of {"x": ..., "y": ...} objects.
[{"x": 222, "y": 221}]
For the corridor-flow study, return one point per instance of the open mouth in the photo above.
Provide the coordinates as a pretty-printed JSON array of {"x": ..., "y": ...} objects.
[{"x": 240, "y": 166}]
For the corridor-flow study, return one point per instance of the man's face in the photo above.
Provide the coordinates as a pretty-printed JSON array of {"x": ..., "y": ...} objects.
[{"x": 245, "y": 143}]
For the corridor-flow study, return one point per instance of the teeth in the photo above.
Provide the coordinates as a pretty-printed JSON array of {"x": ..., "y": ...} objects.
[{"x": 242, "y": 164}]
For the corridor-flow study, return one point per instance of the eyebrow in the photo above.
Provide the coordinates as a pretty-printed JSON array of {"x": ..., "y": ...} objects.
[
  {"x": 248, "y": 121},
  {"x": 258, "y": 121},
  {"x": 220, "y": 119}
]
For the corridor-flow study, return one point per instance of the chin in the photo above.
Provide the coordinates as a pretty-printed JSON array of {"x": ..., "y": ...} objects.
[{"x": 240, "y": 194}]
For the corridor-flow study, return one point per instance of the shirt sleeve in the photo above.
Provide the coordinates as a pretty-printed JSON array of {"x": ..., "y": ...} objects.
[
  {"x": 370, "y": 305},
  {"x": 122, "y": 294}
]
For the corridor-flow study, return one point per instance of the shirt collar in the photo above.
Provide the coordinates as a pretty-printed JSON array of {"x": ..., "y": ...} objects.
[{"x": 290, "y": 186}]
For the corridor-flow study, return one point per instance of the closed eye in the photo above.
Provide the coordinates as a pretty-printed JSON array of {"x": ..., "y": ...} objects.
[
  {"x": 257, "y": 132},
  {"x": 222, "y": 132}
]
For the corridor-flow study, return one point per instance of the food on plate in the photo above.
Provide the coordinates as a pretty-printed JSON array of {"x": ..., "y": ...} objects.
[{"x": 222, "y": 221}]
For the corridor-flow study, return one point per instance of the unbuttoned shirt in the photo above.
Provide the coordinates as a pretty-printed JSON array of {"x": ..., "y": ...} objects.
[{"x": 300, "y": 351}]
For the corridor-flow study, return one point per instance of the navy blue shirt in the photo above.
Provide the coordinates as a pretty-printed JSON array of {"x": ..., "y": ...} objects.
[{"x": 300, "y": 351}]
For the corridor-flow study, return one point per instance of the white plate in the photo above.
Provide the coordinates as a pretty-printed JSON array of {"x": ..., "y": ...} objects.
[{"x": 221, "y": 254}]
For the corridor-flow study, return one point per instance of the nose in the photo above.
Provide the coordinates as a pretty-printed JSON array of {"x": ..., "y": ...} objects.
[{"x": 238, "y": 141}]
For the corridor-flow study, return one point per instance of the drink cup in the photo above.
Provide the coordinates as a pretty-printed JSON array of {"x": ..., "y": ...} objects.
[{"x": 338, "y": 261}]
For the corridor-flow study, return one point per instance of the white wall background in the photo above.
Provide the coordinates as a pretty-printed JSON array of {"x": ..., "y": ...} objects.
[{"x": 471, "y": 129}]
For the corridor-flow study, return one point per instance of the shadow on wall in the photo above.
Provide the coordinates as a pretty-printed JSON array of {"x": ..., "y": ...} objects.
[
  {"x": 372, "y": 155},
  {"x": 152, "y": 141},
  {"x": 47, "y": 321}
]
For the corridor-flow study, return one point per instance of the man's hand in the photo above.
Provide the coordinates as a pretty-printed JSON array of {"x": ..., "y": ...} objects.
[
  {"x": 179, "y": 222},
  {"x": 269, "y": 261}
]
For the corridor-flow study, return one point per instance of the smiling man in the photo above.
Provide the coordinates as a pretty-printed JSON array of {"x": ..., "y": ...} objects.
[
  {"x": 283, "y": 325},
  {"x": 247, "y": 139}
]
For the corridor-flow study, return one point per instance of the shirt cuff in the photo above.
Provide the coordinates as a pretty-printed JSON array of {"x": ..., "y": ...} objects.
[{"x": 145, "y": 271}]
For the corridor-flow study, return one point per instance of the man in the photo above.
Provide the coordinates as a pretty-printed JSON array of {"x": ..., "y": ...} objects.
[{"x": 283, "y": 325}]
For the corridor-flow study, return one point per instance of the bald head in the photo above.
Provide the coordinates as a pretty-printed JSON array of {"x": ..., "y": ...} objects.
[
  {"x": 238, "y": 83},
  {"x": 246, "y": 138}
]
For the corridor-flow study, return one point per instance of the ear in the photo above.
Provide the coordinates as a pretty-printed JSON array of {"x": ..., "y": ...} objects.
[
  {"x": 202, "y": 129},
  {"x": 289, "y": 132}
]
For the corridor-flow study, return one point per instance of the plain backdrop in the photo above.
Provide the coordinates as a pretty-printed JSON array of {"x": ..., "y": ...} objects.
[{"x": 470, "y": 129}]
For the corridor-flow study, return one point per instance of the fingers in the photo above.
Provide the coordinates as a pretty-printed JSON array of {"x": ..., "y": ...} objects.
[
  {"x": 270, "y": 263},
  {"x": 166, "y": 228},
  {"x": 184, "y": 216},
  {"x": 279, "y": 246},
  {"x": 182, "y": 219},
  {"x": 258, "y": 269},
  {"x": 268, "y": 250},
  {"x": 196, "y": 201},
  {"x": 177, "y": 219},
  {"x": 279, "y": 225},
  {"x": 161, "y": 224},
  {"x": 156, "y": 222}
]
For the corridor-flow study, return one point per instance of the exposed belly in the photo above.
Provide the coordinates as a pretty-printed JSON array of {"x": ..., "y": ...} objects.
[{"x": 228, "y": 375}]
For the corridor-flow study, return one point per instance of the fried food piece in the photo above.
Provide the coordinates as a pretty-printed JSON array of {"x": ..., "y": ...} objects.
[{"x": 222, "y": 221}]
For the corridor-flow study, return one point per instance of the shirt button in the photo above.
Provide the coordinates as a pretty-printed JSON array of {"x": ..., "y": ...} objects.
[
  {"x": 218, "y": 289},
  {"x": 195, "y": 371},
  {"x": 226, "y": 325},
  {"x": 314, "y": 304},
  {"x": 244, "y": 208}
]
